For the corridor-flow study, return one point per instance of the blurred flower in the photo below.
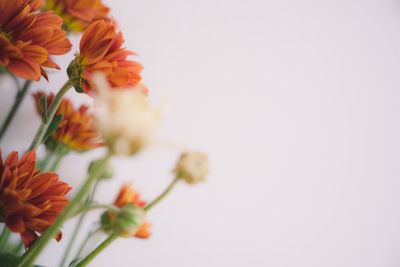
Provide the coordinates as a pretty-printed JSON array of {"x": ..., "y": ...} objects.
[
  {"x": 27, "y": 39},
  {"x": 75, "y": 130},
  {"x": 128, "y": 216},
  {"x": 123, "y": 117},
  {"x": 30, "y": 201},
  {"x": 78, "y": 14},
  {"x": 192, "y": 167},
  {"x": 100, "y": 51}
]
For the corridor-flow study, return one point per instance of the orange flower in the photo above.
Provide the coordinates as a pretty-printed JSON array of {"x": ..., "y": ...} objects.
[
  {"x": 75, "y": 130},
  {"x": 30, "y": 201},
  {"x": 128, "y": 196},
  {"x": 100, "y": 51},
  {"x": 78, "y": 14},
  {"x": 28, "y": 39}
]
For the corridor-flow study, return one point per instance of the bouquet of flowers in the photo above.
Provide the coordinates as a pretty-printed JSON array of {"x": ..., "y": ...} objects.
[{"x": 34, "y": 201}]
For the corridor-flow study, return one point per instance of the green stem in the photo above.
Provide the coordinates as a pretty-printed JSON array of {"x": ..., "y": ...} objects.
[
  {"x": 45, "y": 161},
  {"x": 50, "y": 114},
  {"x": 18, "y": 100},
  {"x": 71, "y": 241},
  {"x": 33, "y": 252},
  {"x": 78, "y": 225},
  {"x": 57, "y": 162},
  {"x": 4, "y": 237},
  {"x": 80, "y": 250},
  {"x": 97, "y": 250},
  {"x": 19, "y": 247},
  {"x": 162, "y": 195}
]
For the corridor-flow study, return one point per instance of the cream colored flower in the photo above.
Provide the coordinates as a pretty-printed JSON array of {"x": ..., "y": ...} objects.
[
  {"x": 192, "y": 167},
  {"x": 123, "y": 117}
]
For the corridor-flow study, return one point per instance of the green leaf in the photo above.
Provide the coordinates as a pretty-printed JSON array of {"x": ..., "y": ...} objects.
[
  {"x": 52, "y": 127},
  {"x": 43, "y": 106}
]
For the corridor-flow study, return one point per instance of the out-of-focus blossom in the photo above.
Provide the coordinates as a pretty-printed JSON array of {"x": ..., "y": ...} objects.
[
  {"x": 30, "y": 201},
  {"x": 192, "y": 167},
  {"x": 28, "y": 39},
  {"x": 101, "y": 51},
  {"x": 123, "y": 117},
  {"x": 76, "y": 130},
  {"x": 128, "y": 216},
  {"x": 78, "y": 14}
]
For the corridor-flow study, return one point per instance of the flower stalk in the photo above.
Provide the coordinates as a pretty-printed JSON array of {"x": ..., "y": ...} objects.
[
  {"x": 3, "y": 237},
  {"x": 97, "y": 250},
  {"x": 17, "y": 103},
  {"x": 33, "y": 252},
  {"x": 78, "y": 225},
  {"x": 37, "y": 140},
  {"x": 162, "y": 195}
]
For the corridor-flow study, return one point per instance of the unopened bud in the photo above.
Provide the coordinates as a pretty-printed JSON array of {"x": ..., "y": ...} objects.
[
  {"x": 125, "y": 223},
  {"x": 107, "y": 169},
  {"x": 192, "y": 167}
]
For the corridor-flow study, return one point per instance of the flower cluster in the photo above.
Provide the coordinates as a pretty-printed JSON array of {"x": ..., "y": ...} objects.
[{"x": 33, "y": 201}]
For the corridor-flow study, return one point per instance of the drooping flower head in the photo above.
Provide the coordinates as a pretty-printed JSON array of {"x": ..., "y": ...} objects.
[
  {"x": 127, "y": 196},
  {"x": 123, "y": 117},
  {"x": 76, "y": 129},
  {"x": 28, "y": 39},
  {"x": 78, "y": 14},
  {"x": 30, "y": 201},
  {"x": 101, "y": 51}
]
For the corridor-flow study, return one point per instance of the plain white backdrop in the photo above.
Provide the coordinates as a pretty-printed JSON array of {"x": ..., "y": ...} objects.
[{"x": 297, "y": 104}]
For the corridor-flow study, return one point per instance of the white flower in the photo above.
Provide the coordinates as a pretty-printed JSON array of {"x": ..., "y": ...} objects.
[
  {"x": 123, "y": 117},
  {"x": 192, "y": 167}
]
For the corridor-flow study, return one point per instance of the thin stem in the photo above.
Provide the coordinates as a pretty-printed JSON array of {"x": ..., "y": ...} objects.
[
  {"x": 33, "y": 252},
  {"x": 97, "y": 250},
  {"x": 78, "y": 254},
  {"x": 18, "y": 100},
  {"x": 45, "y": 161},
  {"x": 57, "y": 162},
  {"x": 78, "y": 225},
  {"x": 19, "y": 247},
  {"x": 71, "y": 241},
  {"x": 50, "y": 114},
  {"x": 162, "y": 195},
  {"x": 4, "y": 237}
]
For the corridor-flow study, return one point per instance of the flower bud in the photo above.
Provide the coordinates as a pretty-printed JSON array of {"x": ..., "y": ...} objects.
[
  {"x": 124, "y": 223},
  {"x": 192, "y": 167},
  {"x": 107, "y": 169}
]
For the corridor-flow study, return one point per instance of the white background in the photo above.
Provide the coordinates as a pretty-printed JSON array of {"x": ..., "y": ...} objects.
[{"x": 296, "y": 103}]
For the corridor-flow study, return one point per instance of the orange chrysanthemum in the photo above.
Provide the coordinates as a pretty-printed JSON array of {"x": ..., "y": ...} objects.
[
  {"x": 78, "y": 14},
  {"x": 76, "y": 130},
  {"x": 100, "y": 51},
  {"x": 30, "y": 201},
  {"x": 128, "y": 196},
  {"x": 28, "y": 39}
]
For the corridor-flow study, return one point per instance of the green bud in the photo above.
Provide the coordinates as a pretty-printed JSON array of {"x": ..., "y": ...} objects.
[
  {"x": 107, "y": 169},
  {"x": 124, "y": 223},
  {"x": 128, "y": 220}
]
